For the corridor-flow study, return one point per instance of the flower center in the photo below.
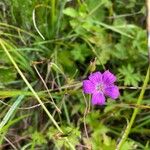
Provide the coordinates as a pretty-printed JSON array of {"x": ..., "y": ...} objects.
[{"x": 100, "y": 87}]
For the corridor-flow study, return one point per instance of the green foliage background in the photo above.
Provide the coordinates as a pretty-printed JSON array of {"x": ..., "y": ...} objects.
[{"x": 61, "y": 42}]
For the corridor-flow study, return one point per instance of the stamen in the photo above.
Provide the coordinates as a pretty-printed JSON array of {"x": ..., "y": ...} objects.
[{"x": 100, "y": 87}]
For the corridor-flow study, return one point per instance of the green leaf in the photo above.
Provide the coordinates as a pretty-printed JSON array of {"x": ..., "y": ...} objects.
[
  {"x": 38, "y": 138},
  {"x": 11, "y": 111},
  {"x": 72, "y": 133},
  {"x": 130, "y": 76},
  {"x": 120, "y": 51},
  {"x": 80, "y": 52},
  {"x": 65, "y": 59},
  {"x": 70, "y": 12},
  {"x": 7, "y": 74},
  {"x": 128, "y": 145}
]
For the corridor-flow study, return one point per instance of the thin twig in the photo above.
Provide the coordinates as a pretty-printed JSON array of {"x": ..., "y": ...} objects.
[
  {"x": 46, "y": 89},
  {"x": 135, "y": 112},
  {"x": 129, "y": 126},
  {"x": 4, "y": 46},
  {"x": 10, "y": 143},
  {"x": 84, "y": 117},
  {"x": 16, "y": 141},
  {"x": 124, "y": 15}
]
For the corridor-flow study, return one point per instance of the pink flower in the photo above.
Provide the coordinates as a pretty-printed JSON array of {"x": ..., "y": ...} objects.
[{"x": 101, "y": 85}]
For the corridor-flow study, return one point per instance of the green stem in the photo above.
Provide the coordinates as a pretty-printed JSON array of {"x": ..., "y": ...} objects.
[
  {"x": 2, "y": 43},
  {"x": 66, "y": 112},
  {"x": 53, "y": 3},
  {"x": 79, "y": 2},
  {"x": 129, "y": 126}
]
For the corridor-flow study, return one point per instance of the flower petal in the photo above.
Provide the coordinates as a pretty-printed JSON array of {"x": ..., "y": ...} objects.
[
  {"x": 112, "y": 92},
  {"x": 88, "y": 87},
  {"x": 98, "y": 99},
  {"x": 108, "y": 77},
  {"x": 95, "y": 77}
]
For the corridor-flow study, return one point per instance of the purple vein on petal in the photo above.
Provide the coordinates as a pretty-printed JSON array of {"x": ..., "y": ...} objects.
[
  {"x": 88, "y": 87},
  {"x": 112, "y": 92},
  {"x": 98, "y": 99},
  {"x": 96, "y": 77},
  {"x": 108, "y": 77}
]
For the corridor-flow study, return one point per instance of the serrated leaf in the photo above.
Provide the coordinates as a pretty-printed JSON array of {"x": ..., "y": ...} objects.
[
  {"x": 80, "y": 52},
  {"x": 130, "y": 76},
  {"x": 72, "y": 133},
  {"x": 38, "y": 138}
]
